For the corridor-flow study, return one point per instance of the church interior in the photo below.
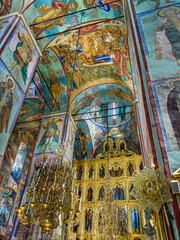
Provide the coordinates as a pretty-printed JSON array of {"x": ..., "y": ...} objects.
[{"x": 89, "y": 119}]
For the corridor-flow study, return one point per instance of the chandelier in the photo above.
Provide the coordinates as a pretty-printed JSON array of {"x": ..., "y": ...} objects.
[
  {"x": 53, "y": 198},
  {"x": 110, "y": 224}
]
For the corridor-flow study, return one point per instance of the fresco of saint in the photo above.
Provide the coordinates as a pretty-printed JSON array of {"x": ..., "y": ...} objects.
[
  {"x": 51, "y": 134},
  {"x": 83, "y": 140},
  {"x": 56, "y": 88},
  {"x": 167, "y": 33},
  {"x": 47, "y": 21},
  {"x": 6, "y": 102},
  {"x": 22, "y": 55}
]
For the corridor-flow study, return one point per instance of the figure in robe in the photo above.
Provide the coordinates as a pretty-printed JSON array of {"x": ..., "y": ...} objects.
[
  {"x": 118, "y": 193},
  {"x": 173, "y": 106},
  {"x": 6, "y": 102},
  {"x": 101, "y": 193},
  {"x": 120, "y": 172},
  {"x": 71, "y": 68},
  {"x": 22, "y": 55},
  {"x": 51, "y": 134},
  {"x": 101, "y": 171},
  {"x": 83, "y": 141},
  {"x": 56, "y": 88},
  {"x": 112, "y": 172},
  {"x": 57, "y": 10},
  {"x": 119, "y": 58},
  {"x": 90, "y": 195},
  {"x": 131, "y": 191},
  {"x": 130, "y": 169},
  {"x": 135, "y": 220},
  {"x": 167, "y": 33},
  {"x": 80, "y": 173},
  {"x": 91, "y": 170},
  {"x": 88, "y": 220}
]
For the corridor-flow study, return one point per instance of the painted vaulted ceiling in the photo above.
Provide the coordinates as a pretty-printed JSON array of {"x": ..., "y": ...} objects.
[{"x": 85, "y": 64}]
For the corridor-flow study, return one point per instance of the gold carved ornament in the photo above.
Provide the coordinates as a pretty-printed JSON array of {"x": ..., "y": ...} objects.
[{"x": 151, "y": 188}]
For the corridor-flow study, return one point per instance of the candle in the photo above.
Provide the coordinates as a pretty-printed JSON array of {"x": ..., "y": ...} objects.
[
  {"x": 78, "y": 188},
  {"x": 48, "y": 195},
  {"x": 72, "y": 202},
  {"x": 55, "y": 181},
  {"x": 80, "y": 204},
  {"x": 34, "y": 192}
]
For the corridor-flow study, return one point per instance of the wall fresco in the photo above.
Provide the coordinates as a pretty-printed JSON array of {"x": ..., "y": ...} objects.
[
  {"x": 54, "y": 81},
  {"x": 5, "y": 6},
  {"x": 19, "y": 162},
  {"x": 50, "y": 134},
  {"x": 69, "y": 141},
  {"x": 11, "y": 97},
  {"x": 160, "y": 35},
  {"x": 22, "y": 55},
  {"x": 166, "y": 95},
  {"x": 145, "y": 5},
  {"x": 6, "y": 206},
  {"x": 83, "y": 145}
]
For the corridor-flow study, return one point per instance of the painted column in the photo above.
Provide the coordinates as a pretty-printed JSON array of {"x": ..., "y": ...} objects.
[{"x": 19, "y": 55}]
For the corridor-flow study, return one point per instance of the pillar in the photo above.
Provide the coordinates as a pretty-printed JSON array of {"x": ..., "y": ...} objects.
[{"x": 19, "y": 55}]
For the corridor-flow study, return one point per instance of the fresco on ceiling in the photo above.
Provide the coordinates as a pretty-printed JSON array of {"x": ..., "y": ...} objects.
[
  {"x": 69, "y": 141},
  {"x": 22, "y": 56},
  {"x": 83, "y": 145},
  {"x": 166, "y": 97},
  {"x": 30, "y": 108},
  {"x": 57, "y": 10},
  {"x": 19, "y": 162},
  {"x": 102, "y": 52},
  {"x": 50, "y": 134},
  {"x": 11, "y": 97},
  {"x": 6, "y": 206},
  {"x": 54, "y": 81},
  {"x": 40, "y": 15},
  {"x": 35, "y": 88},
  {"x": 145, "y": 5},
  {"x": 98, "y": 95},
  {"x": 5, "y": 6},
  {"x": 160, "y": 35}
]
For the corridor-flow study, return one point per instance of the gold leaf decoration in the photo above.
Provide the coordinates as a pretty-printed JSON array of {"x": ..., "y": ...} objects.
[{"x": 151, "y": 188}]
